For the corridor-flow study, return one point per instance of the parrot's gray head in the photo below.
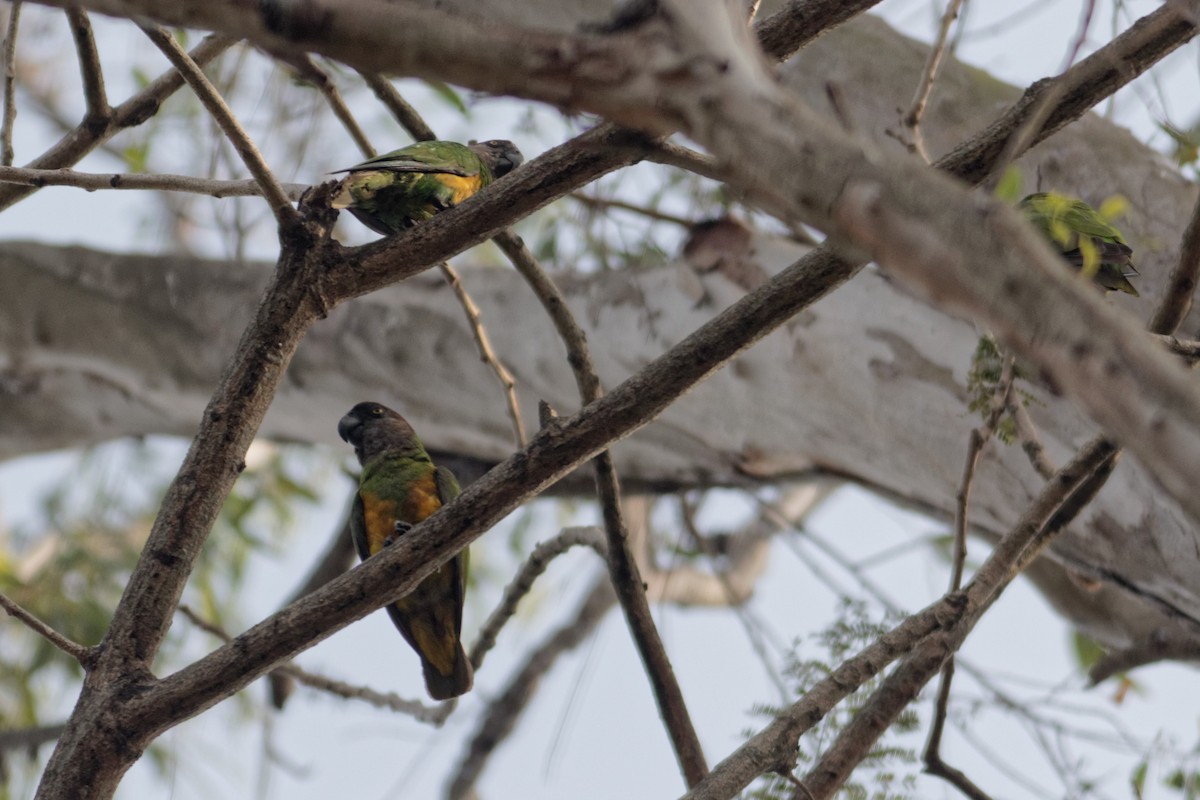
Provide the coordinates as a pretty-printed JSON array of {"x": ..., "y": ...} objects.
[
  {"x": 373, "y": 428},
  {"x": 501, "y": 155}
]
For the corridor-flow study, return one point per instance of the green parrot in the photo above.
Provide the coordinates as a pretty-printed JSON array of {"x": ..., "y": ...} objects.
[
  {"x": 399, "y": 487},
  {"x": 1088, "y": 241},
  {"x": 397, "y": 190}
]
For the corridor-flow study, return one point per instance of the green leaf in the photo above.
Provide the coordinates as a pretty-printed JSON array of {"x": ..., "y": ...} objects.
[{"x": 452, "y": 98}]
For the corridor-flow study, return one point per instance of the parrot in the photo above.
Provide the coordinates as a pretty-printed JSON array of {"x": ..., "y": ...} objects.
[
  {"x": 400, "y": 486},
  {"x": 1088, "y": 241},
  {"x": 396, "y": 190}
]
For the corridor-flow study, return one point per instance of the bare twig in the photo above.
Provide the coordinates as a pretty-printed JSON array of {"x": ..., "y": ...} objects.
[
  {"x": 799, "y": 22},
  {"x": 389, "y": 700},
  {"x": 1027, "y": 434},
  {"x": 487, "y": 353},
  {"x": 77, "y": 651},
  {"x": 978, "y": 438},
  {"x": 10, "y": 84},
  {"x": 338, "y": 557},
  {"x": 1177, "y": 299},
  {"x": 623, "y": 568},
  {"x": 98, "y": 110},
  {"x": 91, "y": 181},
  {"x": 404, "y": 113},
  {"x": 1161, "y": 645},
  {"x": 916, "y": 112},
  {"x": 650, "y": 213},
  {"x": 1057, "y": 504},
  {"x": 533, "y": 567},
  {"x": 274, "y": 194},
  {"x": 29, "y": 738},
  {"x": 502, "y": 713},
  {"x": 137, "y": 109},
  {"x": 310, "y": 71}
]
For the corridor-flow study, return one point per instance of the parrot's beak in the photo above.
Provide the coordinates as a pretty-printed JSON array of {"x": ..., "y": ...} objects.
[
  {"x": 348, "y": 429},
  {"x": 512, "y": 159}
]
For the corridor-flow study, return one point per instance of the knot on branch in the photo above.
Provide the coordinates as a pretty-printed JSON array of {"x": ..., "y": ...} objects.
[{"x": 316, "y": 213}]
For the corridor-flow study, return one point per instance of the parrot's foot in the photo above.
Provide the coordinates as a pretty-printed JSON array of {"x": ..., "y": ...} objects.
[{"x": 398, "y": 530}]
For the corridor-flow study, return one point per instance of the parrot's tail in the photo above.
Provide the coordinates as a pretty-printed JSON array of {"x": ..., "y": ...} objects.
[{"x": 459, "y": 681}]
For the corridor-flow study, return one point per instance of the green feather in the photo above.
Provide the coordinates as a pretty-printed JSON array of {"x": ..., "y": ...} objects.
[
  {"x": 396, "y": 190},
  {"x": 1086, "y": 240}
]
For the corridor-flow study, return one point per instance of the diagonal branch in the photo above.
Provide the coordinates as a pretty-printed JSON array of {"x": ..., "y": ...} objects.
[
  {"x": 208, "y": 95},
  {"x": 84, "y": 655},
  {"x": 623, "y": 569},
  {"x": 98, "y": 110},
  {"x": 533, "y": 567}
]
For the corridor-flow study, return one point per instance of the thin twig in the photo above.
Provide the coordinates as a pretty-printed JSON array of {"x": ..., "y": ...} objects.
[
  {"x": 162, "y": 182},
  {"x": 310, "y": 71},
  {"x": 920, "y": 101},
  {"x": 404, "y": 113},
  {"x": 623, "y": 568},
  {"x": 389, "y": 700},
  {"x": 650, "y": 213},
  {"x": 1031, "y": 442},
  {"x": 487, "y": 353},
  {"x": 98, "y": 110},
  {"x": 1160, "y": 645},
  {"x": 502, "y": 713},
  {"x": 1057, "y": 504},
  {"x": 533, "y": 567},
  {"x": 1177, "y": 299},
  {"x": 750, "y": 625},
  {"x": 79, "y": 652},
  {"x": 10, "y": 84},
  {"x": 274, "y": 194},
  {"x": 29, "y": 739},
  {"x": 978, "y": 438}
]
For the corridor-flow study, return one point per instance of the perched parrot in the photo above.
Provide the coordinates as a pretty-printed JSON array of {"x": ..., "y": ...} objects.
[
  {"x": 397, "y": 190},
  {"x": 1088, "y": 241},
  {"x": 399, "y": 487}
]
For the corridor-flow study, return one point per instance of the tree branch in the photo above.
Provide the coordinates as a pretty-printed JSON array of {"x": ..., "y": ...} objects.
[
  {"x": 84, "y": 655},
  {"x": 133, "y": 112},
  {"x": 10, "y": 84},
  {"x": 161, "y": 182},
  {"x": 208, "y": 95}
]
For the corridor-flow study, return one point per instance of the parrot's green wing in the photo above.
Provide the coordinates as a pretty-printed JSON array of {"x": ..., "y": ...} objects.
[
  {"x": 1086, "y": 240},
  {"x": 358, "y": 529},
  {"x": 450, "y": 158}
]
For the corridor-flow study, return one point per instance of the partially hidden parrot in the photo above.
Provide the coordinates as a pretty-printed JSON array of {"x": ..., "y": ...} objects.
[
  {"x": 400, "y": 486},
  {"x": 397, "y": 190},
  {"x": 1087, "y": 241}
]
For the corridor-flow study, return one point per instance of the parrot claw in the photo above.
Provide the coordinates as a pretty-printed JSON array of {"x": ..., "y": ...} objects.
[{"x": 398, "y": 530}]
